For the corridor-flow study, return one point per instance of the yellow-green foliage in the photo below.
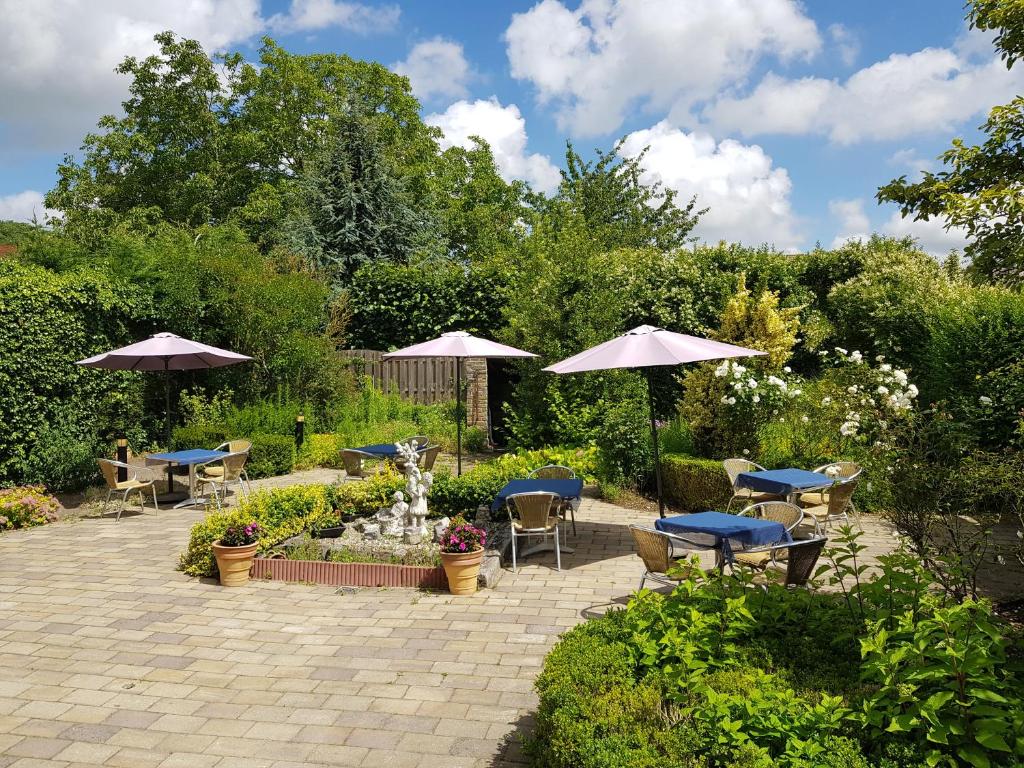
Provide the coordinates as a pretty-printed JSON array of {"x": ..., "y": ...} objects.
[
  {"x": 695, "y": 485},
  {"x": 280, "y": 512},
  {"x": 320, "y": 450},
  {"x": 760, "y": 324},
  {"x": 368, "y": 496}
]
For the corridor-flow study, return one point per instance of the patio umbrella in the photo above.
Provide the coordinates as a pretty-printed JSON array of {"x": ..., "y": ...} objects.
[
  {"x": 164, "y": 352},
  {"x": 645, "y": 347},
  {"x": 459, "y": 344}
]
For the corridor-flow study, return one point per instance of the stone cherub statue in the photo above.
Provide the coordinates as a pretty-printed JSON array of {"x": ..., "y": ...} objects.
[{"x": 417, "y": 485}]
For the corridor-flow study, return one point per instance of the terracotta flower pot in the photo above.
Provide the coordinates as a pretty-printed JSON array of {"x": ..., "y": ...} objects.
[
  {"x": 234, "y": 563},
  {"x": 462, "y": 569}
]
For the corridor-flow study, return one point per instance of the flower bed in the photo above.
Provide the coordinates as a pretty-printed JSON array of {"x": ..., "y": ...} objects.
[{"x": 26, "y": 506}]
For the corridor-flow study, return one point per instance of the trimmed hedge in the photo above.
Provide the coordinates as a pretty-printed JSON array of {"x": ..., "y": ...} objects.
[
  {"x": 695, "y": 485},
  {"x": 281, "y": 513},
  {"x": 270, "y": 454}
]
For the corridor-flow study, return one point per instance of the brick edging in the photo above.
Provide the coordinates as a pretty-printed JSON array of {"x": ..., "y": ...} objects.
[{"x": 349, "y": 574}]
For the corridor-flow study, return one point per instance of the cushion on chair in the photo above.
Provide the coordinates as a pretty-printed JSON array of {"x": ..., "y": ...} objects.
[
  {"x": 213, "y": 471},
  {"x": 818, "y": 512},
  {"x": 813, "y": 499},
  {"x": 127, "y": 484},
  {"x": 552, "y": 522},
  {"x": 753, "y": 559}
]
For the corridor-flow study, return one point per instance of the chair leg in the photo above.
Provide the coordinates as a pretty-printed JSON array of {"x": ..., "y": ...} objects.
[
  {"x": 106, "y": 502},
  {"x": 572, "y": 514},
  {"x": 120, "y": 507},
  {"x": 156, "y": 507},
  {"x": 558, "y": 550},
  {"x": 642, "y": 580},
  {"x": 514, "y": 552}
]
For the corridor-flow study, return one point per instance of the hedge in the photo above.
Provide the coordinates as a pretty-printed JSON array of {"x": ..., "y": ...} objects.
[
  {"x": 695, "y": 485},
  {"x": 270, "y": 454}
]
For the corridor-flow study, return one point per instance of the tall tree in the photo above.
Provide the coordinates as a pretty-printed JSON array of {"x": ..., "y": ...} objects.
[
  {"x": 351, "y": 208},
  {"x": 203, "y": 140},
  {"x": 982, "y": 187}
]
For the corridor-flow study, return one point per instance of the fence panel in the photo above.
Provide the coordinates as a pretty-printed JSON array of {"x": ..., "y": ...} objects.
[{"x": 423, "y": 380}]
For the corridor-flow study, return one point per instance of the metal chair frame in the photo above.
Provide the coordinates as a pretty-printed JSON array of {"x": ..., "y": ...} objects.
[
  {"x": 733, "y": 470},
  {"x": 109, "y": 469},
  {"x": 657, "y": 550},
  {"x": 529, "y": 513},
  {"x": 231, "y": 476}
]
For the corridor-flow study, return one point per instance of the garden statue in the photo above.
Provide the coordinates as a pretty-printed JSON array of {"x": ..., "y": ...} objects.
[
  {"x": 417, "y": 485},
  {"x": 393, "y": 519}
]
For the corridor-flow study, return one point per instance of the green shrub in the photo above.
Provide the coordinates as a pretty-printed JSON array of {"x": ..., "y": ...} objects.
[
  {"x": 62, "y": 460},
  {"x": 270, "y": 455},
  {"x": 474, "y": 440},
  {"x": 205, "y": 436},
  {"x": 319, "y": 450},
  {"x": 280, "y": 513},
  {"x": 695, "y": 485},
  {"x": 370, "y": 495}
]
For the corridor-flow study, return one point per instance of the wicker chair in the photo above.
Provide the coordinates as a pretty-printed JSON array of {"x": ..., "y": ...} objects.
[
  {"x": 843, "y": 472},
  {"x": 229, "y": 471},
  {"x": 733, "y": 468},
  {"x": 658, "y": 550},
  {"x": 535, "y": 519},
  {"x": 838, "y": 502},
  {"x": 427, "y": 459},
  {"x": 353, "y": 461},
  {"x": 800, "y": 557},
  {"x": 125, "y": 487},
  {"x": 790, "y": 515},
  {"x": 560, "y": 472},
  {"x": 232, "y": 446}
]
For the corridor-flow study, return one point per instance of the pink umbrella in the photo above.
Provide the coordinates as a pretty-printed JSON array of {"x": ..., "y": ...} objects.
[
  {"x": 459, "y": 344},
  {"x": 646, "y": 347},
  {"x": 164, "y": 352}
]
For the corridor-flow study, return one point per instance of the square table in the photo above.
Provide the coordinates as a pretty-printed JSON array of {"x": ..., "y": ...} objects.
[
  {"x": 385, "y": 450},
  {"x": 724, "y": 527},
  {"x": 566, "y": 489},
  {"x": 789, "y": 482},
  {"x": 189, "y": 458}
]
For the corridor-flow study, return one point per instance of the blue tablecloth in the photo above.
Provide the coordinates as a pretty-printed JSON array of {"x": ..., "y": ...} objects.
[
  {"x": 385, "y": 450},
  {"x": 782, "y": 481},
  {"x": 567, "y": 489},
  {"x": 749, "y": 531},
  {"x": 192, "y": 456}
]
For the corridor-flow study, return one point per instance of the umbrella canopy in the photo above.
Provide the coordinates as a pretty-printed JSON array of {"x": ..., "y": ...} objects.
[
  {"x": 164, "y": 352},
  {"x": 459, "y": 344},
  {"x": 647, "y": 347}
]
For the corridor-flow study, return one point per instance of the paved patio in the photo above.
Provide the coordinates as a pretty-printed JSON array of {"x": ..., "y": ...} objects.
[{"x": 109, "y": 656}]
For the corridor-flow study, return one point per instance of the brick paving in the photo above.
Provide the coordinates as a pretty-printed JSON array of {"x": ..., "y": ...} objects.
[{"x": 109, "y": 656}]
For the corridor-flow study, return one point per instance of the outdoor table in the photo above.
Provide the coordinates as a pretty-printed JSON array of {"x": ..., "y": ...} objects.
[
  {"x": 724, "y": 527},
  {"x": 566, "y": 489},
  {"x": 190, "y": 458},
  {"x": 384, "y": 450},
  {"x": 783, "y": 482}
]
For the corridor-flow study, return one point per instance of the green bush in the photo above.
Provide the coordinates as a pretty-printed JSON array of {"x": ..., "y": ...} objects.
[
  {"x": 319, "y": 451},
  {"x": 62, "y": 461},
  {"x": 370, "y": 495},
  {"x": 205, "y": 436},
  {"x": 280, "y": 512},
  {"x": 474, "y": 440},
  {"x": 695, "y": 485},
  {"x": 270, "y": 455}
]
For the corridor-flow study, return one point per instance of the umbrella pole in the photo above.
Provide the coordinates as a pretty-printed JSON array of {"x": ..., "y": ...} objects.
[
  {"x": 654, "y": 440},
  {"x": 458, "y": 414},
  {"x": 167, "y": 423}
]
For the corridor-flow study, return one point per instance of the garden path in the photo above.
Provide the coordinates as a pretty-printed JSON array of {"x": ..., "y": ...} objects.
[{"x": 109, "y": 656}]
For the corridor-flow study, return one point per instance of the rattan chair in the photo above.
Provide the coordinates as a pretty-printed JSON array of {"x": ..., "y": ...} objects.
[
  {"x": 560, "y": 472},
  {"x": 842, "y": 472},
  {"x": 232, "y": 446},
  {"x": 228, "y": 471},
  {"x": 353, "y": 461},
  {"x": 790, "y": 515},
  {"x": 534, "y": 511},
  {"x": 125, "y": 487},
  {"x": 837, "y": 504},
  {"x": 800, "y": 558},
  {"x": 660, "y": 552},
  {"x": 733, "y": 468}
]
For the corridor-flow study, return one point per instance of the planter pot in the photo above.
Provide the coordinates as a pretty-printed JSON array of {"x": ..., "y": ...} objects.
[
  {"x": 331, "y": 532},
  {"x": 462, "y": 569},
  {"x": 234, "y": 563}
]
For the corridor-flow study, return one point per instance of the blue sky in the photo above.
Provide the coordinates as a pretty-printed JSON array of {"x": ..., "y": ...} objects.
[{"x": 783, "y": 117}]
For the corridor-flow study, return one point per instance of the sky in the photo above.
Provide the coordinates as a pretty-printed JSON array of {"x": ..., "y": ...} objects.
[{"x": 782, "y": 117}]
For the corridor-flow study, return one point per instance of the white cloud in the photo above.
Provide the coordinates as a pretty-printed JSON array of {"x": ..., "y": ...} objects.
[
  {"x": 57, "y": 75},
  {"x": 748, "y": 197},
  {"x": 310, "y": 15},
  {"x": 598, "y": 62},
  {"x": 931, "y": 236},
  {"x": 505, "y": 130},
  {"x": 845, "y": 43},
  {"x": 24, "y": 206},
  {"x": 435, "y": 67},
  {"x": 931, "y": 91}
]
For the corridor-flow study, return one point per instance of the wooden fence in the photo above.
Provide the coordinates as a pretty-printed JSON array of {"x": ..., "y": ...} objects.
[{"x": 422, "y": 380}]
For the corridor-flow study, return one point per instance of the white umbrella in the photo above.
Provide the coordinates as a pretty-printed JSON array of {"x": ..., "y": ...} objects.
[
  {"x": 459, "y": 344},
  {"x": 645, "y": 347}
]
